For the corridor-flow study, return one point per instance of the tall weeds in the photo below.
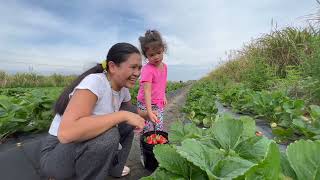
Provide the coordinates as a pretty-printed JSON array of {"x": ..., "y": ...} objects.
[
  {"x": 34, "y": 80},
  {"x": 288, "y": 58}
]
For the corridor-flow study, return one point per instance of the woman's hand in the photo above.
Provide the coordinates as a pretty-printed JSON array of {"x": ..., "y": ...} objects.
[
  {"x": 135, "y": 120},
  {"x": 143, "y": 114}
]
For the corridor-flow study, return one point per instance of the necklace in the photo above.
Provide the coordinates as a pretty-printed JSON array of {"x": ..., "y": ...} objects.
[
  {"x": 115, "y": 101},
  {"x": 115, "y": 105}
]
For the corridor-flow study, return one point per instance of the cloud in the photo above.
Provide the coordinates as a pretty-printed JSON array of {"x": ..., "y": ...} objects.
[
  {"x": 197, "y": 32},
  {"x": 37, "y": 35},
  {"x": 200, "y": 32}
]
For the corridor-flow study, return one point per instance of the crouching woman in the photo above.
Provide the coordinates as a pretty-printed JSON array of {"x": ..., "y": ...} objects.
[{"x": 89, "y": 138}]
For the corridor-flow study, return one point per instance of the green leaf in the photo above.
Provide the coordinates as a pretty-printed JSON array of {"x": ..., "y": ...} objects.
[
  {"x": 253, "y": 149},
  {"x": 304, "y": 158},
  {"x": 3, "y": 112},
  {"x": 163, "y": 174},
  {"x": 170, "y": 160},
  {"x": 269, "y": 168},
  {"x": 206, "y": 122},
  {"x": 281, "y": 132},
  {"x": 286, "y": 167},
  {"x": 192, "y": 114},
  {"x": 210, "y": 142},
  {"x": 228, "y": 132},
  {"x": 232, "y": 167},
  {"x": 18, "y": 120},
  {"x": 299, "y": 123},
  {"x": 200, "y": 155},
  {"x": 179, "y": 132},
  {"x": 196, "y": 173},
  {"x": 315, "y": 112},
  {"x": 5, "y": 102},
  {"x": 249, "y": 126}
]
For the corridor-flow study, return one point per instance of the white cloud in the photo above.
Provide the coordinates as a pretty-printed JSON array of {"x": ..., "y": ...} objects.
[
  {"x": 200, "y": 32},
  {"x": 197, "y": 32}
]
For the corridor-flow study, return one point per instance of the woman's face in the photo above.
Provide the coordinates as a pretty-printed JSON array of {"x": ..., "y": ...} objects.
[{"x": 128, "y": 71}]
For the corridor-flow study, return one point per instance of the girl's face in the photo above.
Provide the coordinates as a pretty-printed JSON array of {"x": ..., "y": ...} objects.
[
  {"x": 155, "y": 56},
  {"x": 127, "y": 73}
]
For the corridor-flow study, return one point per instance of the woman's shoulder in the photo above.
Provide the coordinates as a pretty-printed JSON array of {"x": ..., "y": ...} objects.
[
  {"x": 96, "y": 77},
  {"x": 96, "y": 80}
]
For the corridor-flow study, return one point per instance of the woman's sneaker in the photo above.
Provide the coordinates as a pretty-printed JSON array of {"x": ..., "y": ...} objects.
[
  {"x": 125, "y": 171},
  {"x": 142, "y": 160}
]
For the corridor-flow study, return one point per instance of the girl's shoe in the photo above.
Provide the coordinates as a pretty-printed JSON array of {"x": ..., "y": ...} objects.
[{"x": 125, "y": 171}]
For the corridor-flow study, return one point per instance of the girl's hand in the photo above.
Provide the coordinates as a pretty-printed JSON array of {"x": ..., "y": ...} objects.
[
  {"x": 153, "y": 116},
  {"x": 134, "y": 120},
  {"x": 165, "y": 102}
]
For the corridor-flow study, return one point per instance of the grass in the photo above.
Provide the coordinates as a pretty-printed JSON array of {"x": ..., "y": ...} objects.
[
  {"x": 286, "y": 59},
  {"x": 29, "y": 80}
]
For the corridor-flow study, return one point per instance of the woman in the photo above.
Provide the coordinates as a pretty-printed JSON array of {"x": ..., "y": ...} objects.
[{"x": 89, "y": 137}]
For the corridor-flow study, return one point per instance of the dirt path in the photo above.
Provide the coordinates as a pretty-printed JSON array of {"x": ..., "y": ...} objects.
[{"x": 172, "y": 113}]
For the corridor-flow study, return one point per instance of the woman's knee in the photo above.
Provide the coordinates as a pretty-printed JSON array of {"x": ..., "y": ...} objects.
[
  {"x": 56, "y": 167},
  {"x": 108, "y": 140}
]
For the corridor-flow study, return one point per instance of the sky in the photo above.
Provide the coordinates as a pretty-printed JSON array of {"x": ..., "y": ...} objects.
[{"x": 45, "y": 36}]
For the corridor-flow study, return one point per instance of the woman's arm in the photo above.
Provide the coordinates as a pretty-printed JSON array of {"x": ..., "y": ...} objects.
[
  {"x": 127, "y": 106},
  {"x": 78, "y": 123}
]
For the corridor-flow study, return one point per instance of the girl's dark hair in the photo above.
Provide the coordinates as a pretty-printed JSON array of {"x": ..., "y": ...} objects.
[
  {"x": 118, "y": 53},
  {"x": 152, "y": 40}
]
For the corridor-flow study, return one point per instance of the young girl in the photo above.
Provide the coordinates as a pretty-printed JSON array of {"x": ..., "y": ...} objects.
[
  {"x": 151, "y": 95},
  {"x": 89, "y": 137}
]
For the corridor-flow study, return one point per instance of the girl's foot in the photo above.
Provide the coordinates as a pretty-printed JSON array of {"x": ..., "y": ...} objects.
[{"x": 125, "y": 171}]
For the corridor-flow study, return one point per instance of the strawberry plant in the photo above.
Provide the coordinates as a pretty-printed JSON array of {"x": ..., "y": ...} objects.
[
  {"x": 231, "y": 150},
  {"x": 228, "y": 150},
  {"x": 301, "y": 160},
  {"x": 309, "y": 126},
  {"x": 200, "y": 105},
  {"x": 30, "y": 111},
  {"x": 286, "y": 115}
]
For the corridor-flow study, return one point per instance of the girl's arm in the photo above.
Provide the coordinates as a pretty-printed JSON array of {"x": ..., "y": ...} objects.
[
  {"x": 78, "y": 123},
  {"x": 165, "y": 100},
  {"x": 147, "y": 96}
]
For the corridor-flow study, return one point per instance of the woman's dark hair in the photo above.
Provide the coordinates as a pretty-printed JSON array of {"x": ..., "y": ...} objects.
[
  {"x": 151, "y": 40},
  {"x": 118, "y": 54}
]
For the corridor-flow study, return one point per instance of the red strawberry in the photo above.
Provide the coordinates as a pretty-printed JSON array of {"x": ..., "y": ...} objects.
[
  {"x": 149, "y": 141},
  {"x": 156, "y": 139},
  {"x": 161, "y": 140},
  {"x": 153, "y": 136},
  {"x": 258, "y": 133}
]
